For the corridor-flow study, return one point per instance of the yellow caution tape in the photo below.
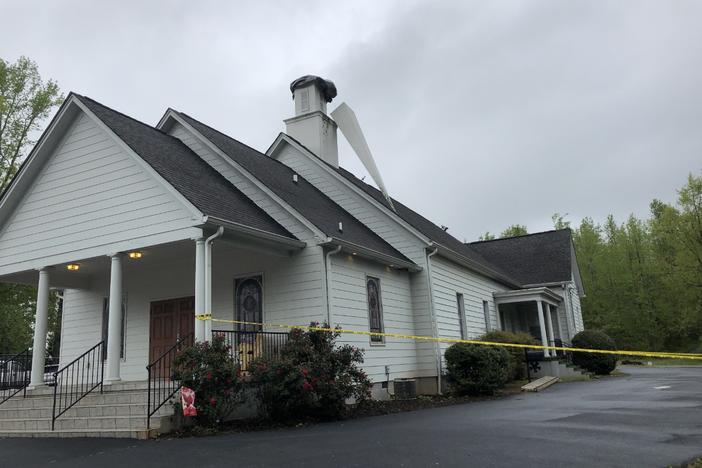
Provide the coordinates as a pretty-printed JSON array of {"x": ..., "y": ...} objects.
[{"x": 656, "y": 354}]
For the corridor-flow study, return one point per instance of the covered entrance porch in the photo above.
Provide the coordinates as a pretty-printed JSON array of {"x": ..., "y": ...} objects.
[{"x": 534, "y": 311}]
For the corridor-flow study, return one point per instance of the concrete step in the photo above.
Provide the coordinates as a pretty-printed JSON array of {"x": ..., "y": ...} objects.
[
  {"x": 95, "y": 397},
  {"x": 116, "y": 433},
  {"x": 81, "y": 409},
  {"x": 540, "y": 384},
  {"x": 115, "y": 387},
  {"x": 120, "y": 411}
]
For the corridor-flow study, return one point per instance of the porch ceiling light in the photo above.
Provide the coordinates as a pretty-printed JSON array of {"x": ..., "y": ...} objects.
[
  {"x": 135, "y": 255},
  {"x": 72, "y": 267}
]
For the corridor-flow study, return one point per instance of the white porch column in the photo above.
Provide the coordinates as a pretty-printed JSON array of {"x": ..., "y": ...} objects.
[
  {"x": 208, "y": 291},
  {"x": 41, "y": 324},
  {"x": 199, "y": 288},
  {"x": 549, "y": 328},
  {"x": 114, "y": 324},
  {"x": 542, "y": 326}
]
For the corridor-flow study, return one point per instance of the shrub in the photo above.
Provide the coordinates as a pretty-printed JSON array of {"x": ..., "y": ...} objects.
[
  {"x": 477, "y": 370},
  {"x": 601, "y": 364},
  {"x": 517, "y": 361},
  {"x": 212, "y": 373},
  {"x": 312, "y": 378}
]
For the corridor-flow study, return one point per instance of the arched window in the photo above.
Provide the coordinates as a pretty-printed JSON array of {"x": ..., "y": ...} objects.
[
  {"x": 375, "y": 308},
  {"x": 249, "y": 302}
]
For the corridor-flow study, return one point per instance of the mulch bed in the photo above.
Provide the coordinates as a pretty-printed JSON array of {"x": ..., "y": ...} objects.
[{"x": 368, "y": 409}]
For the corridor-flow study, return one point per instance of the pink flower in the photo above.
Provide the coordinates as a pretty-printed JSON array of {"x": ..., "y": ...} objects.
[
  {"x": 209, "y": 376},
  {"x": 213, "y": 401},
  {"x": 307, "y": 386},
  {"x": 305, "y": 372}
]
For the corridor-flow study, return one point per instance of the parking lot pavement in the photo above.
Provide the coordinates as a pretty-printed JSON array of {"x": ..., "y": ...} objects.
[{"x": 652, "y": 417}]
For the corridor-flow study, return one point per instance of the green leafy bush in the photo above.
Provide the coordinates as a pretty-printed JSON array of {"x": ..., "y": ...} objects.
[
  {"x": 517, "y": 361},
  {"x": 212, "y": 373},
  {"x": 601, "y": 364},
  {"x": 477, "y": 370},
  {"x": 312, "y": 378}
]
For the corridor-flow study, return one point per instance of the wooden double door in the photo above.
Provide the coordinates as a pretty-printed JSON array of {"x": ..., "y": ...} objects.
[{"x": 170, "y": 320}]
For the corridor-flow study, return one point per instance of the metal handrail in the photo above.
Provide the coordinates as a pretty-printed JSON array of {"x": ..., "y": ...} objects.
[
  {"x": 13, "y": 381},
  {"x": 246, "y": 346},
  {"x": 77, "y": 379},
  {"x": 159, "y": 389}
]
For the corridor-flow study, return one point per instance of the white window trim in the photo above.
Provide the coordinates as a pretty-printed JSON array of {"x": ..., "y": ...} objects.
[
  {"x": 263, "y": 295},
  {"x": 461, "y": 310},
  {"x": 380, "y": 308}
]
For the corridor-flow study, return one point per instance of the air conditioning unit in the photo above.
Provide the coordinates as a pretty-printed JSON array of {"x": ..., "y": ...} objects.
[{"x": 405, "y": 389}]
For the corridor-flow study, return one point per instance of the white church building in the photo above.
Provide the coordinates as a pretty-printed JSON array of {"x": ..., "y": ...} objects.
[{"x": 144, "y": 227}]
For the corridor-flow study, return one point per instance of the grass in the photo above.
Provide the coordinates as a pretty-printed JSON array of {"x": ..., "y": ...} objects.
[{"x": 696, "y": 463}]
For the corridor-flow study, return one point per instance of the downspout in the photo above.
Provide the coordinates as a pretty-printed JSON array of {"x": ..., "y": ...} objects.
[
  {"x": 327, "y": 273},
  {"x": 432, "y": 313},
  {"x": 208, "y": 281}
]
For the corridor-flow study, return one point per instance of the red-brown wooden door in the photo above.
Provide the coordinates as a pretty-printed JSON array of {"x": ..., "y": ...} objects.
[{"x": 170, "y": 320}]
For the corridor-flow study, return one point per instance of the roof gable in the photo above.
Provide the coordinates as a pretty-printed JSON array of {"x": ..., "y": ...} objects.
[
  {"x": 422, "y": 227},
  {"x": 201, "y": 185},
  {"x": 302, "y": 196},
  {"x": 89, "y": 196}
]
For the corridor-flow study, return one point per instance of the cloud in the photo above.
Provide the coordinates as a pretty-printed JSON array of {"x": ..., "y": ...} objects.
[{"x": 480, "y": 114}]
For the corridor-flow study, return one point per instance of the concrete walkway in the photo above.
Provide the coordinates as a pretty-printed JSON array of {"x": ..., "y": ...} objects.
[{"x": 651, "y": 418}]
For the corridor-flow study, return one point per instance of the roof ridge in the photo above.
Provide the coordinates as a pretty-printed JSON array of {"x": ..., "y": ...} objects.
[
  {"x": 122, "y": 114},
  {"x": 518, "y": 236},
  {"x": 239, "y": 142}
]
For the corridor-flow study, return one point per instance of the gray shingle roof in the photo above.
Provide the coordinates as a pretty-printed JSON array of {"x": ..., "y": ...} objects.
[
  {"x": 543, "y": 257},
  {"x": 429, "y": 229},
  {"x": 199, "y": 183},
  {"x": 304, "y": 197}
]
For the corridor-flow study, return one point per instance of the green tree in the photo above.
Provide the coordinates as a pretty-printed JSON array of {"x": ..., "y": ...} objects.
[
  {"x": 487, "y": 236},
  {"x": 643, "y": 278},
  {"x": 25, "y": 102},
  {"x": 514, "y": 230},
  {"x": 559, "y": 221}
]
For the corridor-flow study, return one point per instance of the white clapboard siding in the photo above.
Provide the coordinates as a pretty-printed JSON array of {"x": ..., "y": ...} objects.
[
  {"x": 90, "y": 193},
  {"x": 359, "y": 207},
  {"x": 81, "y": 323},
  {"x": 292, "y": 293},
  {"x": 236, "y": 178},
  {"x": 390, "y": 230},
  {"x": 449, "y": 279},
  {"x": 349, "y": 304},
  {"x": 577, "y": 311}
]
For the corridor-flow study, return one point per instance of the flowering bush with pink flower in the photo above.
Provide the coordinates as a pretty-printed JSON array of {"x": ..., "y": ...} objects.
[
  {"x": 212, "y": 373},
  {"x": 312, "y": 378}
]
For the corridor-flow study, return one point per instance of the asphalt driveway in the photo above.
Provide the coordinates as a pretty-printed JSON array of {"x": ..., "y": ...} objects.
[{"x": 653, "y": 417}]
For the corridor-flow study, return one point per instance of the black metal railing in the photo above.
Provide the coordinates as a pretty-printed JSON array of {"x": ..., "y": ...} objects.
[
  {"x": 76, "y": 379},
  {"x": 249, "y": 345},
  {"x": 15, "y": 374},
  {"x": 161, "y": 385}
]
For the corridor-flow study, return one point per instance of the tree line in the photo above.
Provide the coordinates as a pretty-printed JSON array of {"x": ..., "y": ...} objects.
[{"x": 642, "y": 277}]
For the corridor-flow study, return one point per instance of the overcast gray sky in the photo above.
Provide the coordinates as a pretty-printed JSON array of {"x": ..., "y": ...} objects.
[{"x": 480, "y": 114}]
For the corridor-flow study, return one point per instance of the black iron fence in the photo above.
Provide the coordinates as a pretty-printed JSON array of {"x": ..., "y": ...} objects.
[
  {"x": 249, "y": 345},
  {"x": 76, "y": 379},
  {"x": 161, "y": 385},
  {"x": 15, "y": 374}
]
